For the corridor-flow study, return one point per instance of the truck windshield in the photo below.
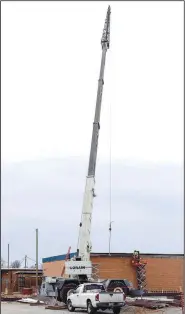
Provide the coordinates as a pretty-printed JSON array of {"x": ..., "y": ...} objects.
[{"x": 94, "y": 287}]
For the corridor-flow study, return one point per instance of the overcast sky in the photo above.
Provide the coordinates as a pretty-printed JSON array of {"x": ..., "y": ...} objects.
[{"x": 51, "y": 56}]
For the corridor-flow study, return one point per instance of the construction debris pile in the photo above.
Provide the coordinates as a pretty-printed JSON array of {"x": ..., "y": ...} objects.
[{"x": 157, "y": 302}]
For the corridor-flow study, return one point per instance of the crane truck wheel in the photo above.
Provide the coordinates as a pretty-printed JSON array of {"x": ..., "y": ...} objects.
[
  {"x": 64, "y": 292},
  {"x": 70, "y": 306},
  {"x": 90, "y": 308},
  {"x": 116, "y": 310}
]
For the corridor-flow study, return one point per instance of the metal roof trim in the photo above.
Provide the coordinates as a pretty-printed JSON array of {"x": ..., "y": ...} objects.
[{"x": 152, "y": 255}]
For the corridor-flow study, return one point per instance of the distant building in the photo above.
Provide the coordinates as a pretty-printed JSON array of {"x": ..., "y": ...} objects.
[
  {"x": 18, "y": 278},
  {"x": 163, "y": 271}
]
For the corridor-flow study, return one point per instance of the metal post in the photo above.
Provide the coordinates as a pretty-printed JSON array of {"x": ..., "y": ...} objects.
[
  {"x": 110, "y": 229},
  {"x": 37, "y": 260},
  {"x": 25, "y": 261},
  {"x": 8, "y": 256}
]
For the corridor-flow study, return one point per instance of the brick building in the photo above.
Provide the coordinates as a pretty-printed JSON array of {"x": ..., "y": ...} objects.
[
  {"x": 17, "y": 278},
  {"x": 163, "y": 271}
]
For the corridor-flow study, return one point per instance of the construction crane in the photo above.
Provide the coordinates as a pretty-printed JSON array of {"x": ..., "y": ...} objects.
[
  {"x": 79, "y": 268},
  {"x": 84, "y": 240}
]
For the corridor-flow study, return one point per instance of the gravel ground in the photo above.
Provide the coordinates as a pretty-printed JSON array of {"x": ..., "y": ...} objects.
[{"x": 17, "y": 308}]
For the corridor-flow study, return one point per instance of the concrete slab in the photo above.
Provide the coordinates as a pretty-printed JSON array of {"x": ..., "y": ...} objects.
[{"x": 17, "y": 308}]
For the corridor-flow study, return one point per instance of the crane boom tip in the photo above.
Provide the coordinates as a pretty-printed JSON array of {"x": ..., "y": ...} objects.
[{"x": 106, "y": 31}]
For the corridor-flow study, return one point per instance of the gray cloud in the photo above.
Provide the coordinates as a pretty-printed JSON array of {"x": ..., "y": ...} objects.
[{"x": 147, "y": 207}]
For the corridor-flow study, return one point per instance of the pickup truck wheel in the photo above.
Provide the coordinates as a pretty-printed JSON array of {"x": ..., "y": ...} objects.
[
  {"x": 70, "y": 306},
  {"x": 116, "y": 310},
  {"x": 90, "y": 308}
]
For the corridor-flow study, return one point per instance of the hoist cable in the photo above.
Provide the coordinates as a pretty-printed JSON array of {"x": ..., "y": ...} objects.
[{"x": 110, "y": 179}]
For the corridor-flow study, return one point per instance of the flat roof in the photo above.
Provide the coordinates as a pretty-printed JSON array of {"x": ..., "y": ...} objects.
[
  {"x": 21, "y": 269},
  {"x": 151, "y": 255},
  {"x": 29, "y": 272},
  {"x": 56, "y": 258}
]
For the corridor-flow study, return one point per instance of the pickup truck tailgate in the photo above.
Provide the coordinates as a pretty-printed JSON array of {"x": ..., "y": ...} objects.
[{"x": 111, "y": 297}]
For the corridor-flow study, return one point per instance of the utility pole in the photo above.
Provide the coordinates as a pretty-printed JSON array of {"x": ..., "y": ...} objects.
[
  {"x": 8, "y": 255},
  {"x": 84, "y": 243},
  {"x": 110, "y": 231},
  {"x": 25, "y": 261},
  {"x": 37, "y": 260}
]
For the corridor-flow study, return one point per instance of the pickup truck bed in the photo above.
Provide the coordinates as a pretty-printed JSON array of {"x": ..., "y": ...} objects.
[{"x": 92, "y": 296}]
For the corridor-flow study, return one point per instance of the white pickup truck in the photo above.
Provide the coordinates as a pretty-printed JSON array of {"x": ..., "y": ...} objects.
[{"x": 92, "y": 296}]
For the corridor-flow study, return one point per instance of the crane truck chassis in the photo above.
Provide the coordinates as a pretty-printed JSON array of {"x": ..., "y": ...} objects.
[{"x": 60, "y": 288}]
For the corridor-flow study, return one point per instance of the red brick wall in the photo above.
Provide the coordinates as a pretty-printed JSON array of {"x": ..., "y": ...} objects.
[
  {"x": 115, "y": 267},
  {"x": 4, "y": 277},
  {"x": 7, "y": 280},
  {"x": 12, "y": 278},
  {"x": 53, "y": 268},
  {"x": 162, "y": 273},
  {"x": 165, "y": 273}
]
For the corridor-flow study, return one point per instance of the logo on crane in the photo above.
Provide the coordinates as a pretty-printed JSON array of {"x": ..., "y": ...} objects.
[{"x": 77, "y": 267}]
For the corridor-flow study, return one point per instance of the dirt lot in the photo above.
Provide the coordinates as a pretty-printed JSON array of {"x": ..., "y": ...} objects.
[{"x": 17, "y": 308}]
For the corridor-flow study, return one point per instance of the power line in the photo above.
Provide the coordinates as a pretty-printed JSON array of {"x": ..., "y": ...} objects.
[{"x": 31, "y": 259}]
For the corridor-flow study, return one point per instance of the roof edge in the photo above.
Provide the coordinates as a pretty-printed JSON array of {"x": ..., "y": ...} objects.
[
  {"x": 93, "y": 254},
  {"x": 20, "y": 269}
]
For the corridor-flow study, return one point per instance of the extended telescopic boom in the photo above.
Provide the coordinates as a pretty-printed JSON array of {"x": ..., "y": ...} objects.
[{"x": 84, "y": 243}]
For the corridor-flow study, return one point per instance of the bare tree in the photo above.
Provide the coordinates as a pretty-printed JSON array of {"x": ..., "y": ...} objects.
[
  {"x": 33, "y": 266},
  {"x": 16, "y": 264}
]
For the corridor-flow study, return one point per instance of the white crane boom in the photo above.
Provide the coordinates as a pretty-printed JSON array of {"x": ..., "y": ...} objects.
[
  {"x": 84, "y": 239},
  {"x": 84, "y": 244}
]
